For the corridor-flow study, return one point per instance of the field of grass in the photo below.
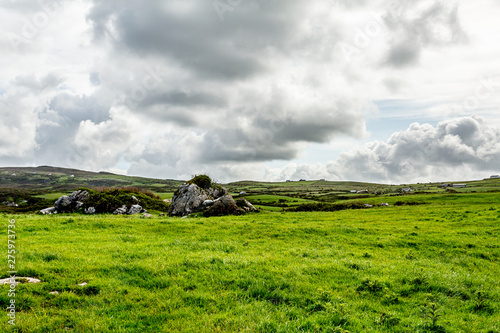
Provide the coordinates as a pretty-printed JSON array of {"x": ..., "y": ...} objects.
[
  {"x": 273, "y": 200},
  {"x": 165, "y": 195},
  {"x": 51, "y": 196},
  {"x": 428, "y": 268}
]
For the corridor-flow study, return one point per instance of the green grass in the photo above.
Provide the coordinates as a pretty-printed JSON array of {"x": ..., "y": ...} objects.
[
  {"x": 165, "y": 195},
  {"x": 270, "y": 200},
  {"x": 269, "y": 208},
  {"x": 51, "y": 196},
  {"x": 387, "y": 269}
]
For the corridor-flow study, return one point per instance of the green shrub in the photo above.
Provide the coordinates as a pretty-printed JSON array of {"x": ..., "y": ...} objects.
[
  {"x": 325, "y": 207},
  {"x": 408, "y": 203},
  {"x": 108, "y": 199},
  {"x": 202, "y": 181}
]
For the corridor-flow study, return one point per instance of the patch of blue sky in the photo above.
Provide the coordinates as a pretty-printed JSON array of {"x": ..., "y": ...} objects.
[{"x": 397, "y": 115}]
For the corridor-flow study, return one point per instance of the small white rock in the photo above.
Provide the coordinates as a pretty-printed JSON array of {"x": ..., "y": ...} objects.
[{"x": 28, "y": 280}]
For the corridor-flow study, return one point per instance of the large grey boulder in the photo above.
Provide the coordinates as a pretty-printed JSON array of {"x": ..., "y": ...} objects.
[
  {"x": 135, "y": 209},
  {"x": 188, "y": 199},
  {"x": 224, "y": 206},
  {"x": 246, "y": 205},
  {"x": 212, "y": 200},
  {"x": 217, "y": 192},
  {"x": 72, "y": 202},
  {"x": 63, "y": 204}
]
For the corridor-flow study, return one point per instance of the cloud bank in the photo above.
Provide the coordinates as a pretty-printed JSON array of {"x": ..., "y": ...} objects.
[{"x": 233, "y": 88}]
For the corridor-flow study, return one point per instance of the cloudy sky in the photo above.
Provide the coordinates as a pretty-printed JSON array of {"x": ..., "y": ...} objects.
[{"x": 382, "y": 91}]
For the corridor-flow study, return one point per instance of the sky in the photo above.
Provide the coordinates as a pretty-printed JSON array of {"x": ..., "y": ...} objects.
[{"x": 274, "y": 90}]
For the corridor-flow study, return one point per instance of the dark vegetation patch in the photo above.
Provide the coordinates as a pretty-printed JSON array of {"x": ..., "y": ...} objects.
[
  {"x": 326, "y": 207},
  {"x": 26, "y": 200},
  {"x": 202, "y": 181},
  {"x": 106, "y": 200},
  {"x": 409, "y": 203}
]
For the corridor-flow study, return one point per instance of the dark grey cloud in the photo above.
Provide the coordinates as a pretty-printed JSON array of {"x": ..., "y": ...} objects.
[
  {"x": 60, "y": 123},
  {"x": 36, "y": 85},
  {"x": 78, "y": 108},
  {"x": 219, "y": 70},
  {"x": 279, "y": 130},
  {"x": 404, "y": 54},
  {"x": 235, "y": 145},
  {"x": 194, "y": 37},
  {"x": 182, "y": 98}
]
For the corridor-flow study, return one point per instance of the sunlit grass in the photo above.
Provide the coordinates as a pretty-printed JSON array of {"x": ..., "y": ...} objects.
[{"x": 384, "y": 269}]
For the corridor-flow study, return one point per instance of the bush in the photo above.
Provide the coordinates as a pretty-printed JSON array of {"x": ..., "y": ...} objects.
[
  {"x": 408, "y": 203},
  {"x": 325, "y": 207},
  {"x": 202, "y": 181},
  {"x": 108, "y": 200}
]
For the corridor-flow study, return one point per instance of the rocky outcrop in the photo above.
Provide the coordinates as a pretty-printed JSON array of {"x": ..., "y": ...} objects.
[
  {"x": 120, "y": 211},
  {"x": 188, "y": 199},
  {"x": 72, "y": 202},
  {"x": 48, "y": 211},
  {"x": 224, "y": 206},
  {"x": 135, "y": 209},
  {"x": 105, "y": 203},
  {"x": 191, "y": 198},
  {"x": 246, "y": 205}
]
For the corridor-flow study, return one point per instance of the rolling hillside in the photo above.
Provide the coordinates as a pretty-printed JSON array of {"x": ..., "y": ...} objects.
[{"x": 36, "y": 187}]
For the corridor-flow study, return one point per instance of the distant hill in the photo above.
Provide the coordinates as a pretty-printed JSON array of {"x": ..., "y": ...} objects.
[
  {"x": 55, "y": 179},
  {"x": 33, "y": 188}
]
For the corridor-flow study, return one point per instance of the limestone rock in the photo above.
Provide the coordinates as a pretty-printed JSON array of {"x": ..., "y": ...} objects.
[
  {"x": 135, "y": 209},
  {"x": 213, "y": 201},
  {"x": 89, "y": 211},
  {"x": 16, "y": 280},
  {"x": 217, "y": 192},
  {"x": 208, "y": 203},
  {"x": 48, "y": 211},
  {"x": 63, "y": 204},
  {"x": 120, "y": 211},
  {"x": 224, "y": 206},
  {"x": 246, "y": 205},
  {"x": 188, "y": 199},
  {"x": 72, "y": 202}
]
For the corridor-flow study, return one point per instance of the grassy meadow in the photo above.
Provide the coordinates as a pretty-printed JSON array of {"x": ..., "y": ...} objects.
[{"x": 432, "y": 267}]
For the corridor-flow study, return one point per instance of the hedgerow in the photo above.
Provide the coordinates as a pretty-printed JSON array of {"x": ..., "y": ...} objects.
[
  {"x": 325, "y": 207},
  {"x": 107, "y": 200}
]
